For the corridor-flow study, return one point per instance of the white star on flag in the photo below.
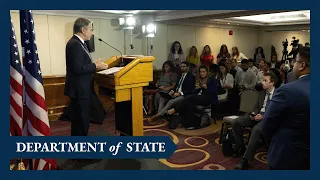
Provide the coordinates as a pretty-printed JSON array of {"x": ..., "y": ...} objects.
[
  {"x": 27, "y": 41},
  {"x": 29, "y": 11},
  {"x": 33, "y": 31},
  {"x": 35, "y": 42},
  {"x": 16, "y": 53},
  {"x": 28, "y": 51},
  {"x": 12, "y": 29},
  {"x": 14, "y": 37},
  {"x": 31, "y": 21},
  {"x": 15, "y": 45},
  {"x": 38, "y": 61},
  {"x": 30, "y": 61},
  {"x": 39, "y": 72},
  {"x": 24, "y": 21},
  {"x": 36, "y": 51},
  {"x": 17, "y": 61},
  {"x": 26, "y": 31}
]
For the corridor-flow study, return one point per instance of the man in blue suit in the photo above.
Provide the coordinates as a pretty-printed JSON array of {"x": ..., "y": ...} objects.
[{"x": 286, "y": 125}]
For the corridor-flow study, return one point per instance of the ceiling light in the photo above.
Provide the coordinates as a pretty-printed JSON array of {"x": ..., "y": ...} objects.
[
  {"x": 238, "y": 24},
  {"x": 119, "y": 11},
  {"x": 303, "y": 30},
  {"x": 278, "y": 17},
  {"x": 228, "y": 23}
]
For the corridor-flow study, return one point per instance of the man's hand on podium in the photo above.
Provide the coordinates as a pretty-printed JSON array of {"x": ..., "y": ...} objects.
[{"x": 100, "y": 65}]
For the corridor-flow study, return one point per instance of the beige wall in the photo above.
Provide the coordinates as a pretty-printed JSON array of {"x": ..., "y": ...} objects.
[{"x": 53, "y": 32}]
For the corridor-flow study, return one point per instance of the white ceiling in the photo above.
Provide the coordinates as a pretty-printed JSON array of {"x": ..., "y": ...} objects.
[
  {"x": 251, "y": 18},
  {"x": 235, "y": 17}
]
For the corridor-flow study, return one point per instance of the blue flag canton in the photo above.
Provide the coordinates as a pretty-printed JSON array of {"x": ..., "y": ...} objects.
[
  {"x": 14, "y": 52},
  {"x": 29, "y": 45}
]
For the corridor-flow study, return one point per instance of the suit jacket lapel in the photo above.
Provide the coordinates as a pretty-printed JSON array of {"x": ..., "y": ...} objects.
[{"x": 85, "y": 48}]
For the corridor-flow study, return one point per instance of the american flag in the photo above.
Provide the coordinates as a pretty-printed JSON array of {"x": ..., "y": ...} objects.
[
  {"x": 15, "y": 87},
  {"x": 35, "y": 116}
]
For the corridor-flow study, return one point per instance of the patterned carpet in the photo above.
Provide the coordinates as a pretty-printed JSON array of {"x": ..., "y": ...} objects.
[{"x": 197, "y": 149}]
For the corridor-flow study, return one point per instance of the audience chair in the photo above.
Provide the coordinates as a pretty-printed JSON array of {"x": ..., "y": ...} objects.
[{"x": 248, "y": 99}]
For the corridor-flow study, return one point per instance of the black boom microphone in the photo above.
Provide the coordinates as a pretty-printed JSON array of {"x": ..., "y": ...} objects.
[{"x": 121, "y": 63}]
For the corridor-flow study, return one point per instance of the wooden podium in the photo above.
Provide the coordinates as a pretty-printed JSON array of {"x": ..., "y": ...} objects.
[{"x": 126, "y": 86}]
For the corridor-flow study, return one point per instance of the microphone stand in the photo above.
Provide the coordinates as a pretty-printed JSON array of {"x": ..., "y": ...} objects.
[{"x": 122, "y": 64}]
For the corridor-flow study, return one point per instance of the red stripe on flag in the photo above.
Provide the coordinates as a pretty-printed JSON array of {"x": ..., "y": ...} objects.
[
  {"x": 16, "y": 86},
  {"x": 16, "y": 106},
  {"x": 37, "y": 124},
  {"x": 14, "y": 127},
  {"x": 36, "y": 98}
]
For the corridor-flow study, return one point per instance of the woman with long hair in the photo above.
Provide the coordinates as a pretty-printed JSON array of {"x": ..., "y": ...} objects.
[
  {"x": 206, "y": 57},
  {"x": 237, "y": 55},
  {"x": 167, "y": 81},
  {"x": 259, "y": 55},
  {"x": 194, "y": 59},
  {"x": 225, "y": 81},
  {"x": 223, "y": 54},
  {"x": 176, "y": 55},
  {"x": 206, "y": 94}
]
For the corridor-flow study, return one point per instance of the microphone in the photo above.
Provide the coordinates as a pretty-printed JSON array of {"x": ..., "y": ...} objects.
[
  {"x": 286, "y": 67},
  {"x": 121, "y": 63}
]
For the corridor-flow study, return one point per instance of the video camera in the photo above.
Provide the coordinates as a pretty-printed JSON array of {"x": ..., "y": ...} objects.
[
  {"x": 285, "y": 44},
  {"x": 294, "y": 42}
]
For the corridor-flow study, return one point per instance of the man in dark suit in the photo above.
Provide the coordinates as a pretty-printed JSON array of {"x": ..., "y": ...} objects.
[
  {"x": 79, "y": 85},
  {"x": 184, "y": 87},
  {"x": 253, "y": 120},
  {"x": 287, "y": 122},
  {"x": 274, "y": 62}
]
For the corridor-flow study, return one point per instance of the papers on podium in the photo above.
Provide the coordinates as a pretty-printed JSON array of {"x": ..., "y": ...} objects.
[{"x": 110, "y": 71}]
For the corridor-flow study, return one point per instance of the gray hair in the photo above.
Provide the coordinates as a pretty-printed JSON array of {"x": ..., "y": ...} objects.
[{"x": 79, "y": 24}]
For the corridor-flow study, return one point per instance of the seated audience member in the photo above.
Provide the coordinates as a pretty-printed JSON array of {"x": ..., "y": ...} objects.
[
  {"x": 245, "y": 79},
  {"x": 254, "y": 120},
  {"x": 206, "y": 57},
  {"x": 167, "y": 81},
  {"x": 232, "y": 67},
  {"x": 193, "y": 57},
  {"x": 259, "y": 55},
  {"x": 252, "y": 67},
  {"x": 223, "y": 54},
  {"x": 225, "y": 81},
  {"x": 264, "y": 68},
  {"x": 194, "y": 60},
  {"x": 176, "y": 55},
  {"x": 286, "y": 124},
  {"x": 237, "y": 55},
  {"x": 214, "y": 70},
  {"x": 206, "y": 94},
  {"x": 279, "y": 77},
  {"x": 185, "y": 86},
  {"x": 274, "y": 62}
]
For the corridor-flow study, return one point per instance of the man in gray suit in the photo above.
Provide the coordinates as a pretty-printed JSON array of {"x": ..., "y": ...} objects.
[{"x": 253, "y": 120}]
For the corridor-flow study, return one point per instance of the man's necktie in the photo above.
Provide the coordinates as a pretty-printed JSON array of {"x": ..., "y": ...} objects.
[
  {"x": 268, "y": 101},
  {"x": 180, "y": 82}
]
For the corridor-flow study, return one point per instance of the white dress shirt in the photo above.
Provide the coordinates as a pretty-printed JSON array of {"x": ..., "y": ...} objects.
[
  {"x": 180, "y": 86},
  {"x": 263, "y": 109}
]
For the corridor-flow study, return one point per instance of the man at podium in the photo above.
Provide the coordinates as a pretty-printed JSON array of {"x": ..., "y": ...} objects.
[{"x": 79, "y": 86}]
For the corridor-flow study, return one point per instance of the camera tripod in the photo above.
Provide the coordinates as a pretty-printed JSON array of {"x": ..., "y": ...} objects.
[{"x": 284, "y": 54}]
